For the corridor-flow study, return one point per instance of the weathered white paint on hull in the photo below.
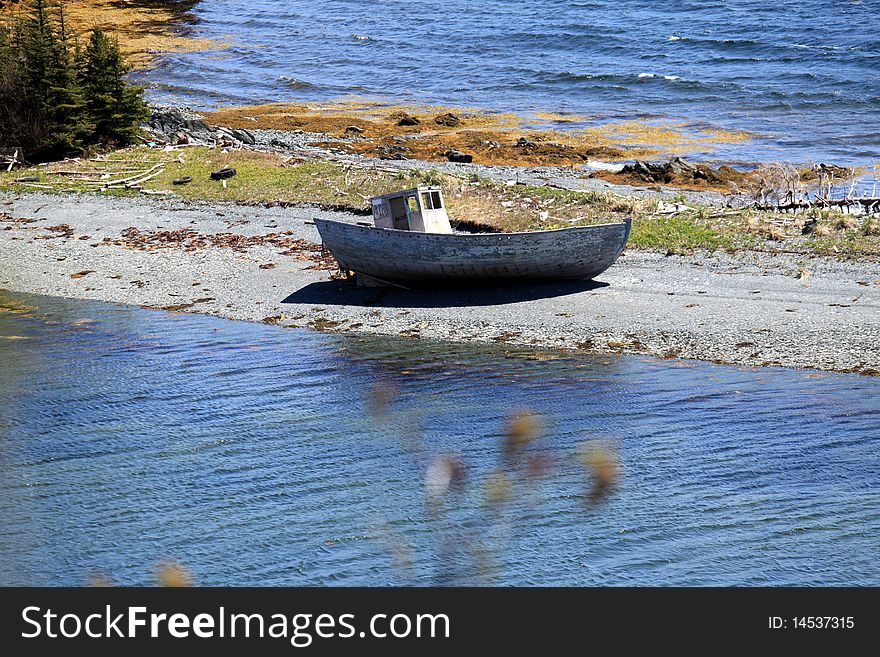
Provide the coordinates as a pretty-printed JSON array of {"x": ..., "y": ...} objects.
[{"x": 399, "y": 255}]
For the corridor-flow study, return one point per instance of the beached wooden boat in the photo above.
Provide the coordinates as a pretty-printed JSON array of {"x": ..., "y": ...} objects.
[{"x": 412, "y": 241}]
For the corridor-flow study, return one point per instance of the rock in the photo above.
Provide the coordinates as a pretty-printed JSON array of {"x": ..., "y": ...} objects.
[
  {"x": 353, "y": 131},
  {"x": 407, "y": 119},
  {"x": 391, "y": 149},
  {"x": 454, "y": 155},
  {"x": 646, "y": 168},
  {"x": 832, "y": 170},
  {"x": 703, "y": 172},
  {"x": 223, "y": 174},
  {"x": 679, "y": 166},
  {"x": 168, "y": 125},
  {"x": 449, "y": 119},
  {"x": 184, "y": 180},
  {"x": 522, "y": 142},
  {"x": 174, "y": 126},
  {"x": 244, "y": 136},
  {"x": 676, "y": 170},
  {"x": 648, "y": 172}
]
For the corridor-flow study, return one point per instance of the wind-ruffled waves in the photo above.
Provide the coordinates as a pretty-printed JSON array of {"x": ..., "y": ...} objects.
[{"x": 806, "y": 77}]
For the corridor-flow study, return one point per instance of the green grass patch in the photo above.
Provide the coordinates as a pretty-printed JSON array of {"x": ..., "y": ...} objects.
[
  {"x": 850, "y": 245},
  {"x": 683, "y": 233},
  {"x": 270, "y": 177}
]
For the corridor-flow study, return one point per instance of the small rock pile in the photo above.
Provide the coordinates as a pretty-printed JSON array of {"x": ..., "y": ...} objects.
[
  {"x": 448, "y": 119},
  {"x": 678, "y": 170},
  {"x": 176, "y": 126}
]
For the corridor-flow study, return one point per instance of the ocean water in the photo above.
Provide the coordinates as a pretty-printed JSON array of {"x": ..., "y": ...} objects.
[
  {"x": 258, "y": 455},
  {"x": 802, "y": 74}
]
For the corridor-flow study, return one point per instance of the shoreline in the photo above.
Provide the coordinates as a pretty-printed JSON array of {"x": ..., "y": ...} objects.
[
  {"x": 490, "y": 135},
  {"x": 773, "y": 190},
  {"x": 748, "y": 308}
]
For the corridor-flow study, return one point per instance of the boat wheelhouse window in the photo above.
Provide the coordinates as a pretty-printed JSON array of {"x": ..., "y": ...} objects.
[
  {"x": 431, "y": 201},
  {"x": 412, "y": 204}
]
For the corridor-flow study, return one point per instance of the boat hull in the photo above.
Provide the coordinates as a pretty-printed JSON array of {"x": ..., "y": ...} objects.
[{"x": 399, "y": 255}]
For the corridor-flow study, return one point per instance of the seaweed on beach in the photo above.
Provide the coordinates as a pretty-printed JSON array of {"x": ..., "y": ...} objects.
[
  {"x": 61, "y": 230},
  {"x": 15, "y": 222},
  {"x": 189, "y": 240}
]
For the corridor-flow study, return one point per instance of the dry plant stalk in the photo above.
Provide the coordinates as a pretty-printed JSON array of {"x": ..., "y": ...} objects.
[{"x": 775, "y": 184}]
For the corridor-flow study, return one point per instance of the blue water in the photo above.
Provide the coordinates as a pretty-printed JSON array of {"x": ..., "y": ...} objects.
[
  {"x": 252, "y": 455},
  {"x": 804, "y": 74}
]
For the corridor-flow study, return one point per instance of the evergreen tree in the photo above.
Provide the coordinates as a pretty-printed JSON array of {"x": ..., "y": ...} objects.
[
  {"x": 26, "y": 54},
  {"x": 114, "y": 106},
  {"x": 55, "y": 100},
  {"x": 55, "y": 81},
  {"x": 16, "y": 120}
]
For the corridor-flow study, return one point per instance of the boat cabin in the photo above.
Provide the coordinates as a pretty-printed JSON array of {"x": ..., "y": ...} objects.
[{"x": 420, "y": 209}]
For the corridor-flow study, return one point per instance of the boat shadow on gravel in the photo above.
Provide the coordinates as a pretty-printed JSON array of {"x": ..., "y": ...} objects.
[{"x": 341, "y": 293}]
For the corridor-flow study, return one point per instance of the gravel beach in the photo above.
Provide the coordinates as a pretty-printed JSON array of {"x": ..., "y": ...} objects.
[{"x": 751, "y": 309}]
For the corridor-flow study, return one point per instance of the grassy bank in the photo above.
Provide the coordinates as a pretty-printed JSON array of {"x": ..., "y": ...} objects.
[{"x": 265, "y": 178}]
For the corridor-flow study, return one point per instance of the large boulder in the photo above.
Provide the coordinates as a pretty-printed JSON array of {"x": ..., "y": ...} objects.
[{"x": 244, "y": 136}]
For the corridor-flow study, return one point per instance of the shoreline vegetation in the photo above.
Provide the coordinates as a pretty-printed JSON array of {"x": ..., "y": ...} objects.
[
  {"x": 482, "y": 198},
  {"x": 340, "y": 153},
  {"x": 375, "y": 128}
]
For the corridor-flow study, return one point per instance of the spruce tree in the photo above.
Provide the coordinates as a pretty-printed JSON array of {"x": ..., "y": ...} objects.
[
  {"x": 45, "y": 111},
  {"x": 26, "y": 57},
  {"x": 16, "y": 120},
  {"x": 114, "y": 106},
  {"x": 66, "y": 106},
  {"x": 55, "y": 99}
]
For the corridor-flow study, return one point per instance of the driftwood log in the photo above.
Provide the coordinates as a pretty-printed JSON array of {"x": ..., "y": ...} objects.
[
  {"x": 9, "y": 157},
  {"x": 869, "y": 205}
]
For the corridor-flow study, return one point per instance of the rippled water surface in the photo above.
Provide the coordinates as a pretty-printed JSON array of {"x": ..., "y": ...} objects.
[
  {"x": 251, "y": 454},
  {"x": 803, "y": 73}
]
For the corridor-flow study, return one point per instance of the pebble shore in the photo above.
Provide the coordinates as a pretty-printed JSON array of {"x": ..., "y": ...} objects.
[{"x": 751, "y": 309}]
